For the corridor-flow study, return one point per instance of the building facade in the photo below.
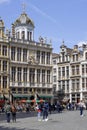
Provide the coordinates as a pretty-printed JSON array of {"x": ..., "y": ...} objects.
[
  {"x": 71, "y": 76},
  {"x": 25, "y": 65}
]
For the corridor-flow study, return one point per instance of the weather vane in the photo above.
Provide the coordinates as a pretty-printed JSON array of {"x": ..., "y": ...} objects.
[{"x": 23, "y": 7}]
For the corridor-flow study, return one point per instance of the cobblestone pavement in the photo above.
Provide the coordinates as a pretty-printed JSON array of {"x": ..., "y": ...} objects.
[{"x": 68, "y": 120}]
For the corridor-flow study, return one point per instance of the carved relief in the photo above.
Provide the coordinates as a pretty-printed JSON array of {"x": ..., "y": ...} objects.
[{"x": 31, "y": 60}]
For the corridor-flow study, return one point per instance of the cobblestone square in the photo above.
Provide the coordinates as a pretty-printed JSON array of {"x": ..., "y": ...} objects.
[{"x": 68, "y": 120}]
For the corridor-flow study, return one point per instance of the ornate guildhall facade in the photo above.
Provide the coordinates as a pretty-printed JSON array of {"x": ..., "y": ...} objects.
[{"x": 25, "y": 65}]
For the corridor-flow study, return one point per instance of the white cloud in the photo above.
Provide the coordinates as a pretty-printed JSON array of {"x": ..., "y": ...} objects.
[
  {"x": 43, "y": 13},
  {"x": 4, "y": 1},
  {"x": 81, "y": 43}
]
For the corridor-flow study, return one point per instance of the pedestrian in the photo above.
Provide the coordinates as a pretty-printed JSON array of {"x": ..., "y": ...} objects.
[
  {"x": 38, "y": 109},
  {"x": 81, "y": 107},
  {"x": 7, "y": 109},
  {"x": 13, "y": 112},
  {"x": 45, "y": 111}
]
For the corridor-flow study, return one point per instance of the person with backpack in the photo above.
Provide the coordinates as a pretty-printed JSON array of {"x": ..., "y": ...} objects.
[{"x": 7, "y": 109}]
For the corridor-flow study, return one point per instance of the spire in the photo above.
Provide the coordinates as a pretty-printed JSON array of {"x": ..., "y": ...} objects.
[{"x": 23, "y": 7}]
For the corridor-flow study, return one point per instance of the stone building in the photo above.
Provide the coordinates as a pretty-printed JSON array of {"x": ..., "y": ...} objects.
[
  {"x": 25, "y": 64},
  {"x": 71, "y": 76}
]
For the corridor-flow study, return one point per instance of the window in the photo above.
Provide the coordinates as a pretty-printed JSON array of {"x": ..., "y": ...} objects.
[
  {"x": 25, "y": 75},
  {"x": 19, "y": 90},
  {"x": 73, "y": 84},
  {"x": 38, "y": 76},
  {"x": 32, "y": 75},
  {"x": 86, "y": 69},
  {"x": 4, "y": 65},
  {"x": 17, "y": 35},
  {"x": 4, "y": 82},
  {"x": 4, "y": 50},
  {"x": 86, "y": 55},
  {"x": 30, "y": 36},
  {"x": 0, "y": 82},
  {"x": 83, "y": 69},
  {"x": 0, "y": 49},
  {"x": 63, "y": 71},
  {"x": 59, "y": 72},
  {"x": 77, "y": 69},
  {"x": 43, "y": 58},
  {"x": 23, "y": 35},
  {"x": 25, "y": 90},
  {"x": 13, "y": 53},
  {"x": 67, "y": 71},
  {"x": 24, "y": 55},
  {"x": 0, "y": 65},
  {"x": 83, "y": 83},
  {"x": 73, "y": 70},
  {"x": 54, "y": 62},
  {"x": 48, "y": 57},
  {"x": 48, "y": 76},
  {"x": 54, "y": 70},
  {"x": 43, "y": 76},
  {"x": 63, "y": 58},
  {"x": 13, "y": 75},
  {"x": 73, "y": 57},
  {"x": 67, "y": 85},
  {"x": 63, "y": 86},
  {"x": 19, "y": 74},
  {"x": 38, "y": 56},
  {"x": 18, "y": 54},
  {"x": 76, "y": 57},
  {"x": 77, "y": 83},
  {"x": 54, "y": 78}
]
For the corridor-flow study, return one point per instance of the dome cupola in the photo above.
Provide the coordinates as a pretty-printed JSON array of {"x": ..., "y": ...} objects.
[{"x": 23, "y": 28}]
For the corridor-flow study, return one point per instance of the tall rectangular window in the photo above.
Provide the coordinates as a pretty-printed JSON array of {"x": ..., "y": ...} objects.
[
  {"x": 0, "y": 65},
  {"x": 43, "y": 58},
  {"x": 13, "y": 53},
  {"x": 63, "y": 71},
  {"x": 48, "y": 76},
  {"x": 38, "y": 75},
  {"x": 48, "y": 57},
  {"x": 73, "y": 70},
  {"x": 24, "y": 55},
  {"x": 4, "y": 82},
  {"x": 4, "y": 65},
  {"x": 32, "y": 75},
  {"x": 73, "y": 84},
  {"x": 38, "y": 56},
  {"x": 18, "y": 54},
  {"x": 23, "y": 35},
  {"x": 0, "y": 49},
  {"x": 0, "y": 82},
  {"x": 67, "y": 71},
  {"x": 4, "y": 50},
  {"x": 13, "y": 75},
  {"x": 25, "y": 75},
  {"x": 19, "y": 74},
  {"x": 83, "y": 69},
  {"x": 77, "y": 69},
  {"x": 43, "y": 76}
]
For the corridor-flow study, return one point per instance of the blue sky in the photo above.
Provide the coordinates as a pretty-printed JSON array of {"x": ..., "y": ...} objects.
[{"x": 57, "y": 20}]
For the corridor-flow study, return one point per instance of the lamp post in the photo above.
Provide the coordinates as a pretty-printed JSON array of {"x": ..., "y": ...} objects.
[{"x": 9, "y": 95}]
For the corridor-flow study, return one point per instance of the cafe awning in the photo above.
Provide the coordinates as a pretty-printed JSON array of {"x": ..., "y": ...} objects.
[{"x": 21, "y": 95}]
